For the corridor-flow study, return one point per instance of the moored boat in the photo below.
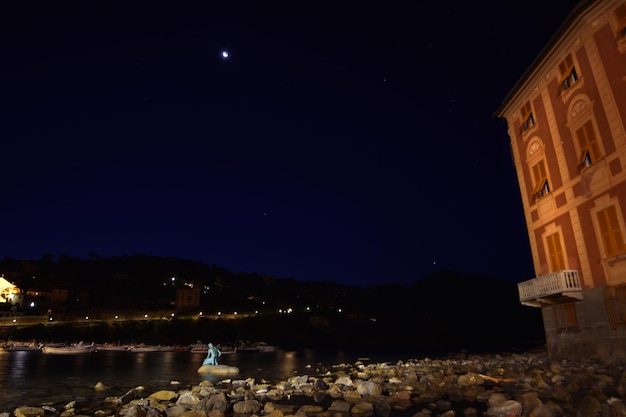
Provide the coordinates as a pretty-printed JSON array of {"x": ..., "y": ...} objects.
[
  {"x": 152, "y": 348},
  {"x": 204, "y": 348},
  {"x": 68, "y": 349},
  {"x": 256, "y": 347},
  {"x": 265, "y": 348},
  {"x": 113, "y": 347},
  {"x": 22, "y": 347}
]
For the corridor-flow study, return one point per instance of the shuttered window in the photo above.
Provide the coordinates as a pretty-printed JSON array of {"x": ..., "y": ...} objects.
[
  {"x": 542, "y": 187},
  {"x": 555, "y": 252},
  {"x": 588, "y": 145},
  {"x": 610, "y": 232},
  {"x": 528, "y": 121},
  {"x": 568, "y": 73}
]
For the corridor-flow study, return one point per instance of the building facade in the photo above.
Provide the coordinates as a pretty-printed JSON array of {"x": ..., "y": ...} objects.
[
  {"x": 565, "y": 119},
  {"x": 187, "y": 298},
  {"x": 9, "y": 293}
]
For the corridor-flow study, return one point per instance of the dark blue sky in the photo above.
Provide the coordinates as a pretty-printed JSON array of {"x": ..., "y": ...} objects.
[{"x": 350, "y": 142}]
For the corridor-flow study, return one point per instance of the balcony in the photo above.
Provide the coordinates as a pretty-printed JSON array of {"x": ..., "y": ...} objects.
[{"x": 554, "y": 288}]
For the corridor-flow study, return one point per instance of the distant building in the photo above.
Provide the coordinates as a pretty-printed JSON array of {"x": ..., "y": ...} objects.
[
  {"x": 9, "y": 293},
  {"x": 565, "y": 120},
  {"x": 54, "y": 295},
  {"x": 187, "y": 298},
  {"x": 58, "y": 295}
]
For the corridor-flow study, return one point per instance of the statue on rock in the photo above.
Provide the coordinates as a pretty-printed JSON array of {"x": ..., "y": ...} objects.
[{"x": 212, "y": 355}]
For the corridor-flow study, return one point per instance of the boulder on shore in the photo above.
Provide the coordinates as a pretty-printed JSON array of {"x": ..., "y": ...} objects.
[{"x": 218, "y": 370}]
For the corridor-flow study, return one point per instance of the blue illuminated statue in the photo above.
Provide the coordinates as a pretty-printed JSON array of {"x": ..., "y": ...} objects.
[{"x": 212, "y": 355}]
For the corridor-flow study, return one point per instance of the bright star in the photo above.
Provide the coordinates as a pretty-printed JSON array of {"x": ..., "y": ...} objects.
[{"x": 224, "y": 54}]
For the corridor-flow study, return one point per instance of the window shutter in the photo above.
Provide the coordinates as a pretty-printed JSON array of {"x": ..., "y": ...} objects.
[
  {"x": 604, "y": 231},
  {"x": 587, "y": 142},
  {"x": 555, "y": 252},
  {"x": 565, "y": 67},
  {"x": 610, "y": 232},
  {"x": 615, "y": 230}
]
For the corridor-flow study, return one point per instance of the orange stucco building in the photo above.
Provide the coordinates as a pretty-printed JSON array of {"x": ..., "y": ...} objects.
[{"x": 565, "y": 119}]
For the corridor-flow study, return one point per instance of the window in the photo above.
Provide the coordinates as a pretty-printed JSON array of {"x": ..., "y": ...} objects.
[
  {"x": 528, "y": 121},
  {"x": 588, "y": 145},
  {"x": 568, "y": 73},
  {"x": 611, "y": 233},
  {"x": 555, "y": 252},
  {"x": 565, "y": 317},
  {"x": 542, "y": 187},
  {"x": 615, "y": 303}
]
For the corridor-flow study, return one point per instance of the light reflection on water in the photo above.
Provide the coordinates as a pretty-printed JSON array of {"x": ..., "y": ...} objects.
[{"x": 34, "y": 379}]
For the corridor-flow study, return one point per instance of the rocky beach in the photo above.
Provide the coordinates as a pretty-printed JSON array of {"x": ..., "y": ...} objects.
[{"x": 494, "y": 385}]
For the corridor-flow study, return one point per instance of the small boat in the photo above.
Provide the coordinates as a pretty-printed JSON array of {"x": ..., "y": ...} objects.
[
  {"x": 152, "y": 348},
  {"x": 22, "y": 347},
  {"x": 113, "y": 347},
  {"x": 260, "y": 347},
  {"x": 198, "y": 347},
  {"x": 204, "y": 349},
  {"x": 68, "y": 349},
  {"x": 144, "y": 348},
  {"x": 265, "y": 348},
  {"x": 247, "y": 347},
  {"x": 167, "y": 348}
]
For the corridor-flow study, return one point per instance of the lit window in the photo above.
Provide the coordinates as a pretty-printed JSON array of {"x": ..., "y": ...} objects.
[
  {"x": 611, "y": 232},
  {"x": 542, "y": 188},
  {"x": 568, "y": 73}
]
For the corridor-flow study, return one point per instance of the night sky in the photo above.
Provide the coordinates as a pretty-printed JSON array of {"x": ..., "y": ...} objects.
[{"x": 337, "y": 141}]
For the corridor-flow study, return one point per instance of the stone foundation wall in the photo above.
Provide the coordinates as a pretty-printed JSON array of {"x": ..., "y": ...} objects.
[{"x": 594, "y": 337}]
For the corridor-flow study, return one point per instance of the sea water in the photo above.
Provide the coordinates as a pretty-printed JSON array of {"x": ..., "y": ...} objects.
[{"x": 36, "y": 379}]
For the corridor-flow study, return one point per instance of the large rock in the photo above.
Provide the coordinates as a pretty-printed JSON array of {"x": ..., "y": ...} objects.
[
  {"x": 368, "y": 388},
  {"x": 247, "y": 407},
  {"x": 218, "y": 370},
  {"x": 509, "y": 408},
  {"x": 163, "y": 395},
  {"x": 29, "y": 412}
]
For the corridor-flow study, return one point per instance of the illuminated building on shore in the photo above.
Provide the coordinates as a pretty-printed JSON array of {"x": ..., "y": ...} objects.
[
  {"x": 565, "y": 120},
  {"x": 9, "y": 293}
]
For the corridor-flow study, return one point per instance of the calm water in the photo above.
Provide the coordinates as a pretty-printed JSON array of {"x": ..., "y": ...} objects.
[{"x": 34, "y": 379}]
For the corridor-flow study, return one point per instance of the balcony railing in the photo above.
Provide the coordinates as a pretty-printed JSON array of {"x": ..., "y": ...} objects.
[{"x": 555, "y": 287}]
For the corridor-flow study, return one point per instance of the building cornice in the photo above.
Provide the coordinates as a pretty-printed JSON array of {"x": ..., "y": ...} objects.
[{"x": 567, "y": 25}]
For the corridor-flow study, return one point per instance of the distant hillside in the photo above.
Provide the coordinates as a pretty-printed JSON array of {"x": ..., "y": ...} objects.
[{"x": 445, "y": 310}]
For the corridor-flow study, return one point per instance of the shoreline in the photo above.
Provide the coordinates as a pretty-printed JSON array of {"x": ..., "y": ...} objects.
[{"x": 467, "y": 384}]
